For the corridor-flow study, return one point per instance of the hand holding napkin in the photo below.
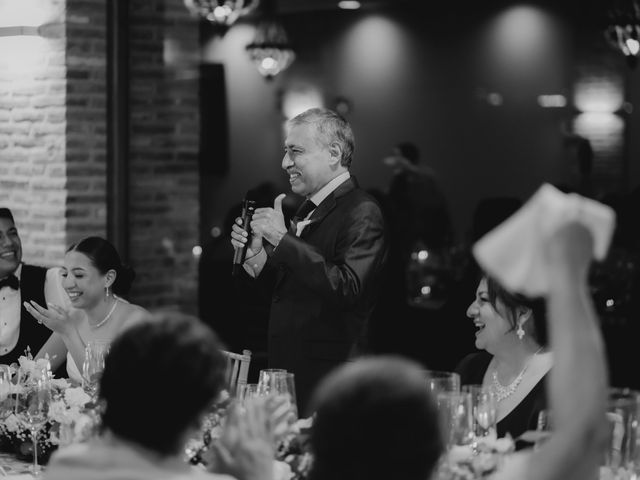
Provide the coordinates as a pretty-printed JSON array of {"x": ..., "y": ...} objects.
[{"x": 512, "y": 252}]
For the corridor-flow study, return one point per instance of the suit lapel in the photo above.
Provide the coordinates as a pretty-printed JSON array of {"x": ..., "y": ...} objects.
[
  {"x": 327, "y": 205},
  {"x": 318, "y": 215}
]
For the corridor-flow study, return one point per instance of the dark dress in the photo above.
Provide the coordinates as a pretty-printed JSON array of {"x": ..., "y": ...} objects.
[{"x": 524, "y": 416}]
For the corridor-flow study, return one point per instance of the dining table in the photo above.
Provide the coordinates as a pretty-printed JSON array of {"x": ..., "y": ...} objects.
[{"x": 13, "y": 468}]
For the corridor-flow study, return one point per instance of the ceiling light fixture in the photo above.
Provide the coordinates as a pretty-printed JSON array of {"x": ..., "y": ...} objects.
[
  {"x": 623, "y": 30},
  {"x": 221, "y": 12},
  {"x": 270, "y": 49}
]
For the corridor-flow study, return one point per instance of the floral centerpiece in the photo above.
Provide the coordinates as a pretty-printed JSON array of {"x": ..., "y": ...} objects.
[
  {"x": 292, "y": 457},
  {"x": 477, "y": 461},
  {"x": 295, "y": 449},
  {"x": 71, "y": 416}
]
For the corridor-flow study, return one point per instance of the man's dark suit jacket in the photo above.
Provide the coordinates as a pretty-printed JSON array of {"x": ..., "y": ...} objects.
[
  {"x": 32, "y": 334},
  {"x": 326, "y": 285}
]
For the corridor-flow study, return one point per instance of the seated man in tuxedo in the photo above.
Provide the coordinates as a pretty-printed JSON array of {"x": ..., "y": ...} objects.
[{"x": 20, "y": 283}]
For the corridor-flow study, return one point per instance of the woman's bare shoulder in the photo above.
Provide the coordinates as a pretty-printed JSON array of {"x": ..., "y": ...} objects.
[{"x": 134, "y": 314}]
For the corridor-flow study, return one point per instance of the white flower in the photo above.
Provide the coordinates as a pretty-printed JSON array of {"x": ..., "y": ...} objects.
[
  {"x": 12, "y": 424},
  {"x": 81, "y": 427},
  {"x": 282, "y": 470},
  {"x": 58, "y": 411},
  {"x": 76, "y": 397},
  {"x": 304, "y": 423},
  {"x": 223, "y": 396},
  {"x": 60, "y": 383}
]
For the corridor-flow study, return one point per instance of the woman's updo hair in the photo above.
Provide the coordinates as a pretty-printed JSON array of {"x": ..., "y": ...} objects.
[
  {"x": 105, "y": 257},
  {"x": 514, "y": 302}
]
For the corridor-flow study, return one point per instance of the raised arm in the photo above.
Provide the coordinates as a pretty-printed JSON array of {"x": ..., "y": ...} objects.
[{"x": 578, "y": 380}]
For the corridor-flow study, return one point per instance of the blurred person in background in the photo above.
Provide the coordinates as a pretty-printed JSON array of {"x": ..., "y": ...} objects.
[
  {"x": 160, "y": 378},
  {"x": 375, "y": 419}
]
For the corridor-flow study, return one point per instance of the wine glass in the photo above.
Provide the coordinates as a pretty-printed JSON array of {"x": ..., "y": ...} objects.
[
  {"x": 441, "y": 381},
  {"x": 6, "y": 389},
  {"x": 289, "y": 389},
  {"x": 456, "y": 417},
  {"x": 32, "y": 407},
  {"x": 95, "y": 354},
  {"x": 485, "y": 410},
  {"x": 246, "y": 392},
  {"x": 269, "y": 379}
]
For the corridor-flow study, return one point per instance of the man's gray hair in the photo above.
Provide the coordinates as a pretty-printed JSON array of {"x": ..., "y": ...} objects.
[{"x": 332, "y": 128}]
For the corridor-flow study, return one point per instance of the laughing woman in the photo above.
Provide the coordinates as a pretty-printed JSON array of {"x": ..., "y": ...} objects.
[
  {"x": 94, "y": 278},
  {"x": 512, "y": 333}
]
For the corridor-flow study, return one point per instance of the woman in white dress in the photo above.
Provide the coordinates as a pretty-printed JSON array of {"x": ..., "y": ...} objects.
[{"x": 93, "y": 277}]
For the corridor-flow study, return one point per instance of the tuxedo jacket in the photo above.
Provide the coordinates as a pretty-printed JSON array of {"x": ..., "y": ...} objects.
[
  {"x": 32, "y": 334},
  {"x": 326, "y": 285}
]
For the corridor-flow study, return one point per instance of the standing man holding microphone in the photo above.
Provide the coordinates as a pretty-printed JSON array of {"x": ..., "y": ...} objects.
[{"x": 327, "y": 263}]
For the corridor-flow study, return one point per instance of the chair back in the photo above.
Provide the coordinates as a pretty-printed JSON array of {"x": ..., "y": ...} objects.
[{"x": 237, "y": 369}]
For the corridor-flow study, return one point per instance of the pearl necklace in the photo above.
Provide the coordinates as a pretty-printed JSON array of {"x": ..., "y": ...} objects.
[
  {"x": 502, "y": 391},
  {"x": 104, "y": 320}
]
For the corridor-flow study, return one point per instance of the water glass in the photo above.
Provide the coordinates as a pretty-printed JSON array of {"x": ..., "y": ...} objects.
[
  {"x": 246, "y": 392},
  {"x": 622, "y": 415},
  {"x": 441, "y": 381},
  {"x": 289, "y": 389},
  {"x": 456, "y": 417},
  {"x": 484, "y": 405},
  {"x": 6, "y": 389},
  {"x": 270, "y": 380},
  {"x": 544, "y": 427},
  {"x": 95, "y": 354}
]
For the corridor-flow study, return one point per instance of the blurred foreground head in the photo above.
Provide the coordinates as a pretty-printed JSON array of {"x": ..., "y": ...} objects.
[
  {"x": 375, "y": 419},
  {"x": 159, "y": 377}
]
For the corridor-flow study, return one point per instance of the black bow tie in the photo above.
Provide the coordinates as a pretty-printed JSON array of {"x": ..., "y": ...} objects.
[{"x": 11, "y": 281}]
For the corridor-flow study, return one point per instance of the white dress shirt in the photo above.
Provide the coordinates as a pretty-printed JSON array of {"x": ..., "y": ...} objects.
[
  {"x": 11, "y": 303},
  {"x": 254, "y": 265},
  {"x": 317, "y": 198}
]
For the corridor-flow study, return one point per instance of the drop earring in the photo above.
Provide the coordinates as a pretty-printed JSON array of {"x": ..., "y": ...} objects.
[{"x": 520, "y": 332}]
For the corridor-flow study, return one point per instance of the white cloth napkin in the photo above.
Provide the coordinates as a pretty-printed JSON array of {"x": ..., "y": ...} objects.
[{"x": 511, "y": 252}]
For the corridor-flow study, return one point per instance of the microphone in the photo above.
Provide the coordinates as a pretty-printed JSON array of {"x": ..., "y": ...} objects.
[{"x": 248, "y": 207}]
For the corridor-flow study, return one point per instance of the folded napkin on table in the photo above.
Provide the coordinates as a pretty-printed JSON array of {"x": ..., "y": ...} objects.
[{"x": 512, "y": 252}]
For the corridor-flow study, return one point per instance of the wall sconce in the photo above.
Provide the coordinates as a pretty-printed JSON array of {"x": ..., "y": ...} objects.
[
  {"x": 46, "y": 30},
  {"x": 18, "y": 31}
]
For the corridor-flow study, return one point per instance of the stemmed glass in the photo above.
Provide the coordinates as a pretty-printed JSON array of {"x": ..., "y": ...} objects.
[
  {"x": 6, "y": 389},
  {"x": 441, "y": 381},
  {"x": 246, "y": 392},
  {"x": 280, "y": 383},
  {"x": 485, "y": 410},
  {"x": 456, "y": 417},
  {"x": 32, "y": 407},
  {"x": 269, "y": 380},
  {"x": 95, "y": 354}
]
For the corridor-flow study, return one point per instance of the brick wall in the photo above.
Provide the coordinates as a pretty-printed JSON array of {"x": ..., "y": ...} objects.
[
  {"x": 86, "y": 104},
  {"x": 164, "y": 132},
  {"x": 53, "y": 141},
  {"x": 32, "y": 136}
]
